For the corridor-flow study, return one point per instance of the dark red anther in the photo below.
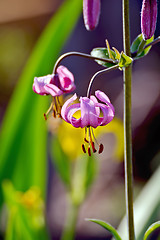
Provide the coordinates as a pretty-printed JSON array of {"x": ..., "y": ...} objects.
[
  {"x": 100, "y": 148},
  {"x": 86, "y": 140},
  {"x": 54, "y": 113},
  {"x": 89, "y": 151},
  {"x": 83, "y": 148},
  {"x": 93, "y": 147},
  {"x": 45, "y": 117}
]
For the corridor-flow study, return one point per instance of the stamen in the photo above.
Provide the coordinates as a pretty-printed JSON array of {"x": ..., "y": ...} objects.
[
  {"x": 101, "y": 147},
  {"x": 86, "y": 140},
  {"x": 93, "y": 147},
  {"x": 45, "y": 116},
  {"x": 83, "y": 148},
  {"x": 89, "y": 151},
  {"x": 54, "y": 113}
]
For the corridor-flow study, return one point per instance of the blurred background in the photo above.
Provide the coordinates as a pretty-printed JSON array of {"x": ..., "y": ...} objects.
[{"x": 21, "y": 24}]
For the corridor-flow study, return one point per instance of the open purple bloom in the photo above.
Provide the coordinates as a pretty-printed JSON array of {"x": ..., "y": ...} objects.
[
  {"x": 91, "y": 111},
  {"x": 148, "y": 18},
  {"x": 91, "y": 13},
  {"x": 55, "y": 85}
]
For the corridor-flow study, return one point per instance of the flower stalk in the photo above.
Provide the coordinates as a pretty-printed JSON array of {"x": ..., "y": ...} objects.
[
  {"x": 127, "y": 77},
  {"x": 78, "y": 54}
]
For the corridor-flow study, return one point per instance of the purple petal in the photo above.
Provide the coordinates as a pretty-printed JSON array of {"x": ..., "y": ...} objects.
[
  {"x": 108, "y": 114},
  {"x": 104, "y": 98},
  {"x": 66, "y": 79},
  {"x": 64, "y": 110},
  {"x": 91, "y": 13},
  {"x": 88, "y": 113},
  {"x": 148, "y": 18},
  {"x": 40, "y": 83},
  {"x": 53, "y": 90}
]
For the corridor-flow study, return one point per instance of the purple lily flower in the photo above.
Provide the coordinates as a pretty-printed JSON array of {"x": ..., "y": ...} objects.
[
  {"x": 148, "y": 18},
  {"x": 91, "y": 13},
  {"x": 55, "y": 85},
  {"x": 90, "y": 118}
]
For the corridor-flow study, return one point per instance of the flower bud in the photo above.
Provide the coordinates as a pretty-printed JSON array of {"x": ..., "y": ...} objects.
[
  {"x": 148, "y": 18},
  {"x": 91, "y": 13}
]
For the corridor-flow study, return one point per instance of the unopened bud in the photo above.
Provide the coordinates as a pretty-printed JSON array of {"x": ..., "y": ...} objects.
[
  {"x": 91, "y": 13},
  {"x": 148, "y": 18}
]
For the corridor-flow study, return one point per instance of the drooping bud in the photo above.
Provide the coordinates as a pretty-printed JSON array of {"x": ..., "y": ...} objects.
[
  {"x": 91, "y": 13},
  {"x": 148, "y": 18}
]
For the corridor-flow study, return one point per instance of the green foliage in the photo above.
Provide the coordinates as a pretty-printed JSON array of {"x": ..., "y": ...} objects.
[
  {"x": 136, "y": 46},
  {"x": 107, "y": 226},
  {"x": 103, "y": 53},
  {"x": 151, "y": 229},
  {"x": 23, "y": 133},
  {"x": 61, "y": 162},
  {"x": 25, "y": 214},
  {"x": 83, "y": 176},
  {"x": 124, "y": 60},
  {"x": 76, "y": 174}
]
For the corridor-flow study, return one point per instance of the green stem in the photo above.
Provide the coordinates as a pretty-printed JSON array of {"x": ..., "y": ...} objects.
[
  {"x": 127, "y": 77},
  {"x": 70, "y": 222},
  {"x": 78, "y": 54}
]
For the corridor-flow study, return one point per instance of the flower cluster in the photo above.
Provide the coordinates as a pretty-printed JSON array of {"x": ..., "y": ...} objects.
[{"x": 93, "y": 113}]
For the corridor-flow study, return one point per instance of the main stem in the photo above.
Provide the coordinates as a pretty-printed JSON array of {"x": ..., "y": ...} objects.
[{"x": 127, "y": 77}]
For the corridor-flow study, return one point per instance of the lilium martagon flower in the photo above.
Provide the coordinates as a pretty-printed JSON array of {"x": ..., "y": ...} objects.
[
  {"x": 90, "y": 118},
  {"x": 55, "y": 85},
  {"x": 148, "y": 18},
  {"x": 91, "y": 13}
]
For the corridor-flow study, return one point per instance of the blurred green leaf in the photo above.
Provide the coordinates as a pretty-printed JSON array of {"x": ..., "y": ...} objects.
[
  {"x": 136, "y": 43},
  {"x": 84, "y": 173},
  {"x": 107, "y": 226},
  {"x": 103, "y": 53},
  {"x": 22, "y": 209},
  {"x": 23, "y": 132},
  {"x": 151, "y": 229},
  {"x": 61, "y": 162},
  {"x": 145, "y": 207}
]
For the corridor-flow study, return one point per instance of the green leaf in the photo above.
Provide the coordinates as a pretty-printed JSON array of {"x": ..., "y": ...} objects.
[
  {"x": 84, "y": 173},
  {"x": 145, "y": 207},
  {"x": 61, "y": 162},
  {"x": 107, "y": 226},
  {"x": 23, "y": 133},
  {"x": 137, "y": 42},
  {"x": 103, "y": 53},
  {"x": 151, "y": 229},
  {"x": 124, "y": 60}
]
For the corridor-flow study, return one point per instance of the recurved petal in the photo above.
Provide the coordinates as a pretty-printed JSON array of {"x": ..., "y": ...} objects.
[
  {"x": 66, "y": 79},
  {"x": 64, "y": 110},
  {"x": 104, "y": 98},
  {"x": 108, "y": 114},
  {"x": 53, "y": 90},
  {"x": 40, "y": 83},
  {"x": 88, "y": 113}
]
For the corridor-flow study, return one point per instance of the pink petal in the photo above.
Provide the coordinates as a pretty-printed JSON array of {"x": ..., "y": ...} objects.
[
  {"x": 40, "y": 83},
  {"x": 104, "y": 98},
  {"x": 66, "y": 79},
  {"x": 64, "y": 110},
  {"x": 88, "y": 113},
  {"x": 53, "y": 90},
  {"x": 94, "y": 99},
  {"x": 108, "y": 114}
]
